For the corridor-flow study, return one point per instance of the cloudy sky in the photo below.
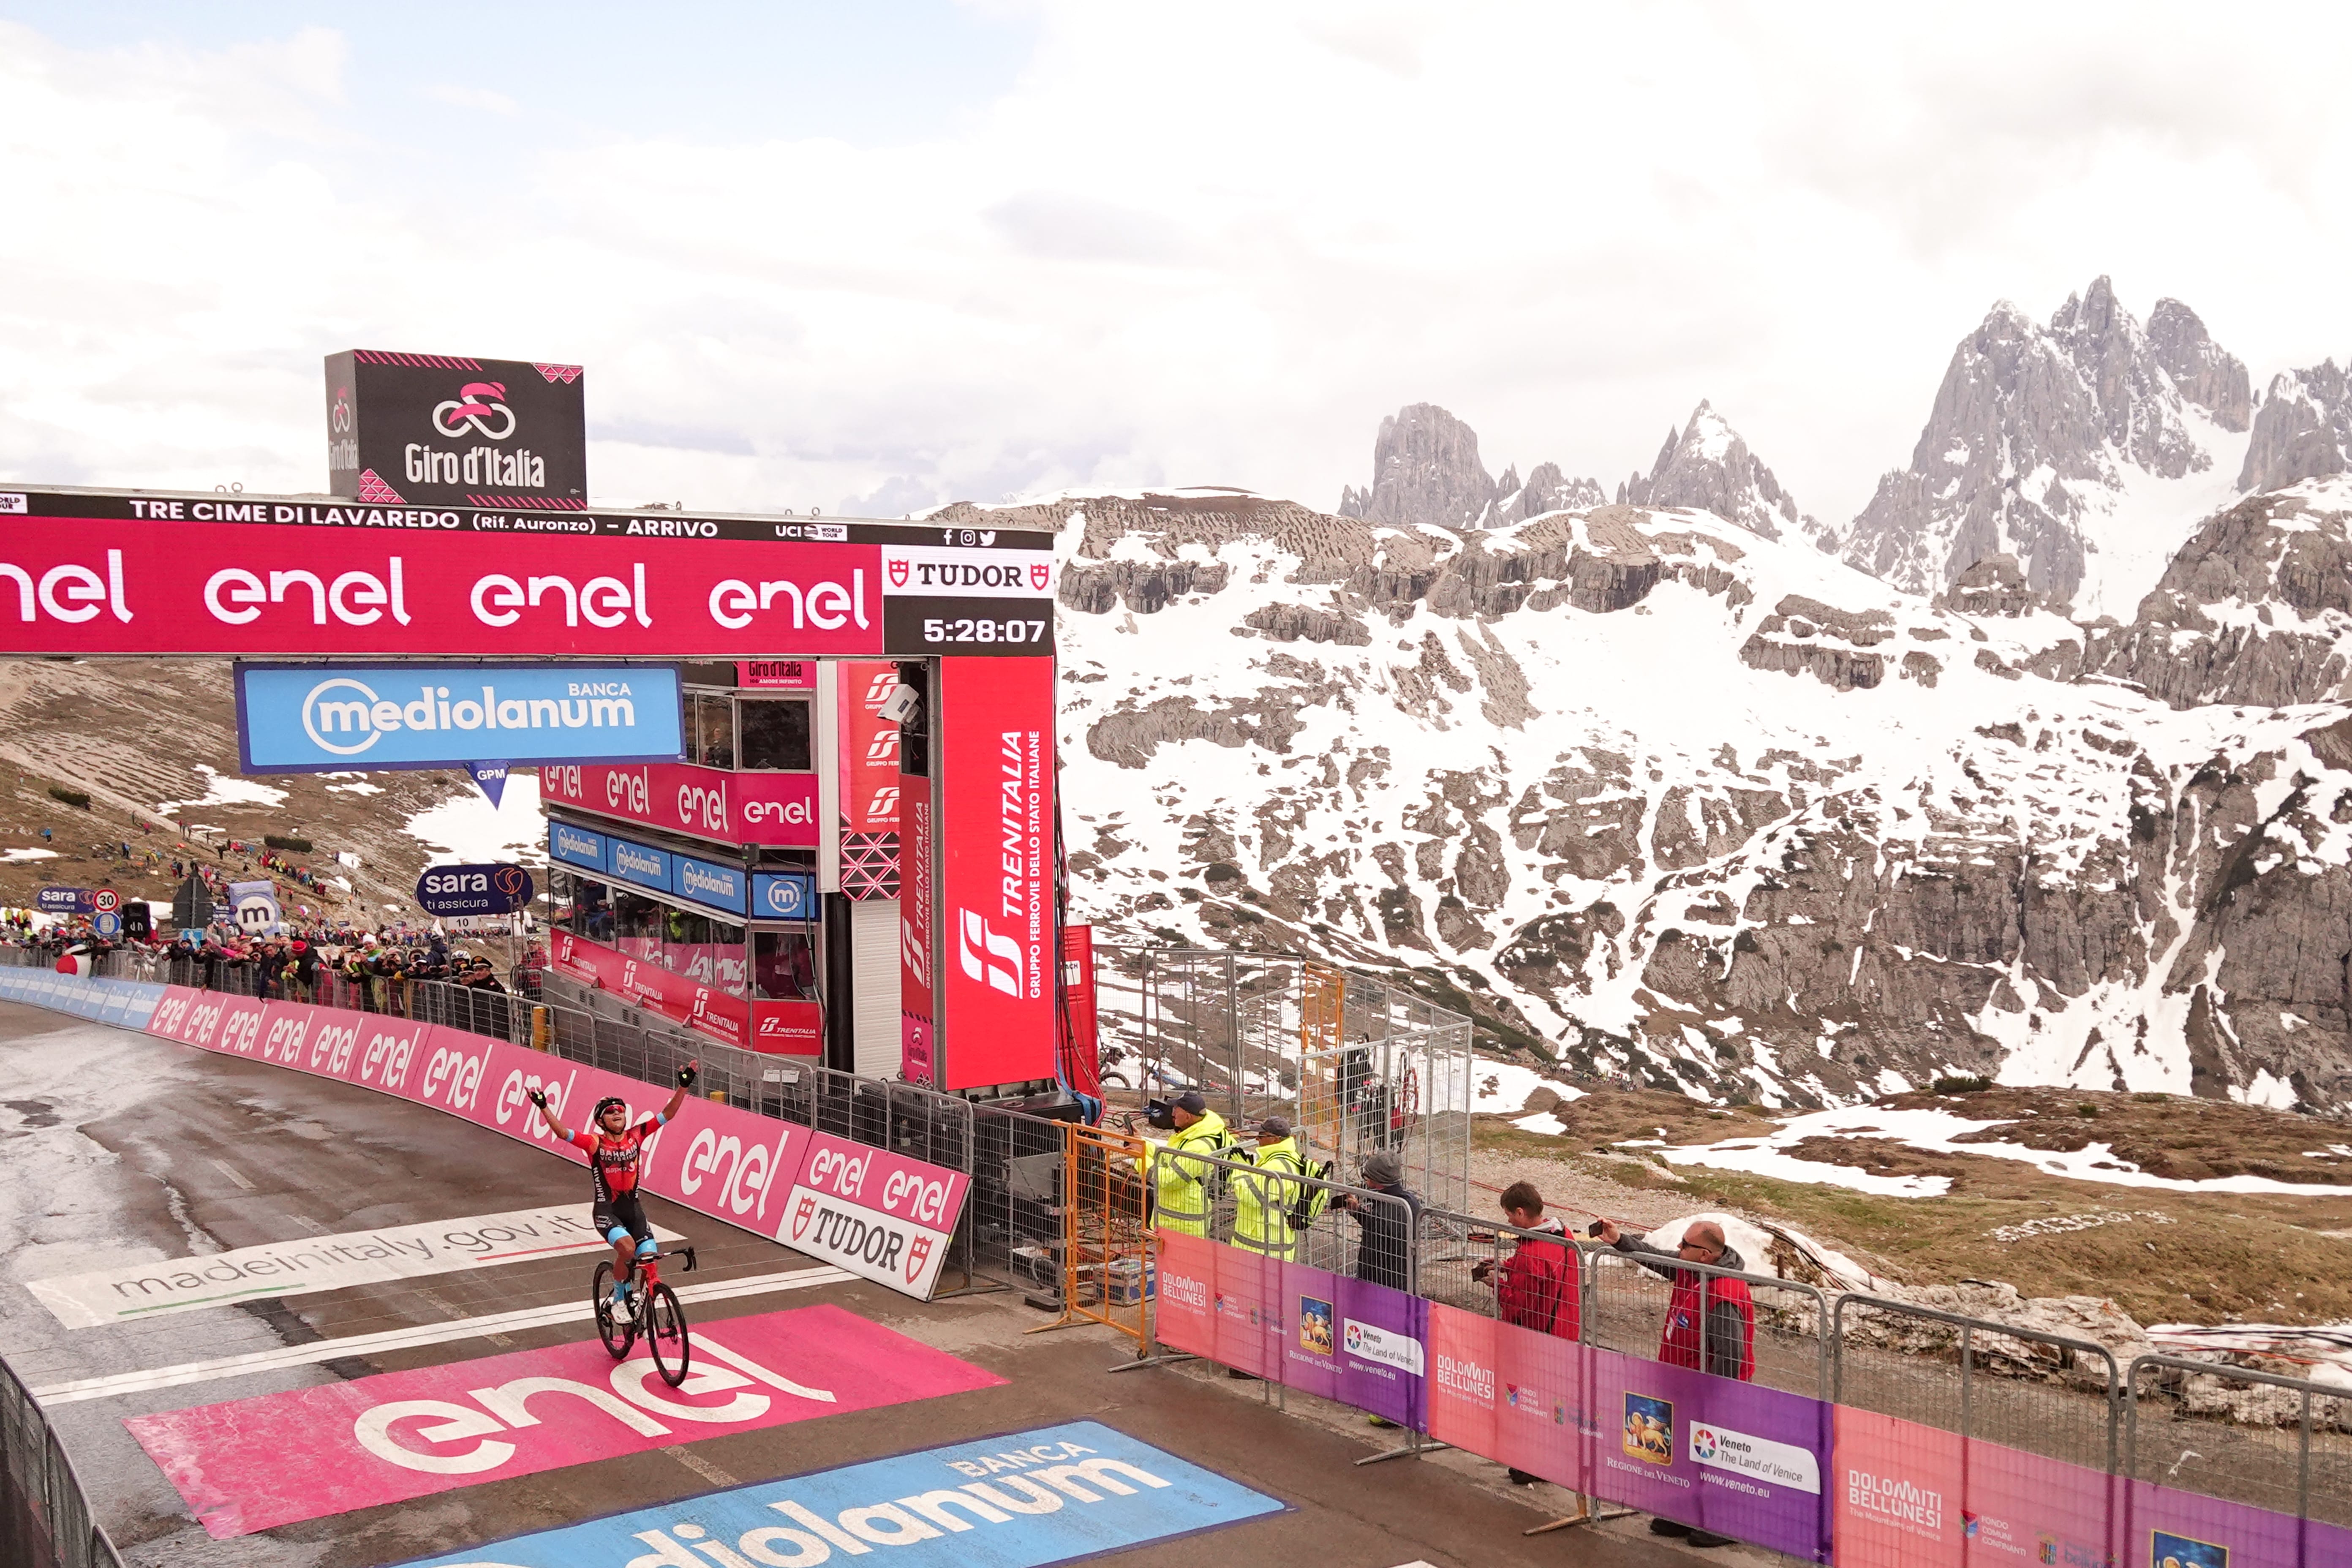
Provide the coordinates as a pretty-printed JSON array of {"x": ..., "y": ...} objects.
[{"x": 872, "y": 256}]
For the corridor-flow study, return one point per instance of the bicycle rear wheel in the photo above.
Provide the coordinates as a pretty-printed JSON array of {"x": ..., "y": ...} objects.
[
  {"x": 665, "y": 1335},
  {"x": 617, "y": 1331}
]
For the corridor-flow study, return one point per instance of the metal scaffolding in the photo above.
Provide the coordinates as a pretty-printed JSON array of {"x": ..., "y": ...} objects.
[{"x": 1359, "y": 1066}]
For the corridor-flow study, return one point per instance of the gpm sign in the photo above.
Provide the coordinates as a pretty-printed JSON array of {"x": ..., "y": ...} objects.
[{"x": 314, "y": 718}]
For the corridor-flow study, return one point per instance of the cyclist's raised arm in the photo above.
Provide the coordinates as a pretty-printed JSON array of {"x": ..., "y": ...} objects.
[
  {"x": 538, "y": 1099},
  {"x": 686, "y": 1077}
]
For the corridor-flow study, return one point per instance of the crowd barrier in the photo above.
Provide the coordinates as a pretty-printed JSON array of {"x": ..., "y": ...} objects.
[
  {"x": 998, "y": 1233},
  {"x": 1752, "y": 1440},
  {"x": 44, "y": 1518},
  {"x": 1864, "y": 1430}
]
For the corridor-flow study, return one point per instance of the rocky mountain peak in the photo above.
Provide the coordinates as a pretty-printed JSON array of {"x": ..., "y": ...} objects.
[
  {"x": 2206, "y": 374},
  {"x": 1708, "y": 466},
  {"x": 2302, "y": 430},
  {"x": 1426, "y": 470},
  {"x": 2086, "y": 448},
  {"x": 1546, "y": 489}
]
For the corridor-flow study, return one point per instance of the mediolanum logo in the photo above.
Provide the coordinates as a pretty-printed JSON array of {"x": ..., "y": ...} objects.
[{"x": 347, "y": 716}]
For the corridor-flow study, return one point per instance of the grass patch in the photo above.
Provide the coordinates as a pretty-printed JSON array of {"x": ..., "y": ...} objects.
[{"x": 2162, "y": 1255}]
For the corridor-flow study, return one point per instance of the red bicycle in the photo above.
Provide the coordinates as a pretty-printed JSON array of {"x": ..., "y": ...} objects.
[{"x": 653, "y": 1314}]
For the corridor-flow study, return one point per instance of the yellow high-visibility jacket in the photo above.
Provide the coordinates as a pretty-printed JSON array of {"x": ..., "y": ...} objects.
[
  {"x": 1264, "y": 1199},
  {"x": 1186, "y": 1189}
]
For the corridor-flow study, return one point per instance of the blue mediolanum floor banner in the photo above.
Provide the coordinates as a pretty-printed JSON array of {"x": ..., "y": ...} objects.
[
  {"x": 1019, "y": 1501},
  {"x": 127, "y": 1003}
]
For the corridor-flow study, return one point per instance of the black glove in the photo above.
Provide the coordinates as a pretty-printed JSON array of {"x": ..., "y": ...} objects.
[
  {"x": 686, "y": 1076},
  {"x": 538, "y": 1097}
]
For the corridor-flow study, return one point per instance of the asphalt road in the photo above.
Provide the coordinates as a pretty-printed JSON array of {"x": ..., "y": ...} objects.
[{"x": 117, "y": 1148}]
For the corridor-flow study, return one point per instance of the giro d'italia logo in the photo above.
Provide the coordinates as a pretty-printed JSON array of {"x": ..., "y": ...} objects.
[{"x": 476, "y": 408}]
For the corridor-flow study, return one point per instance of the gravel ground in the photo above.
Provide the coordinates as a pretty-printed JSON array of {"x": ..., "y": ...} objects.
[{"x": 1574, "y": 1194}]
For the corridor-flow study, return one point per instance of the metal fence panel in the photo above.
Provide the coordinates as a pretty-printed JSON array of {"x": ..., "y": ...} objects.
[
  {"x": 45, "y": 1515},
  {"x": 2279, "y": 1442},
  {"x": 1358, "y": 1065},
  {"x": 2041, "y": 1392}
]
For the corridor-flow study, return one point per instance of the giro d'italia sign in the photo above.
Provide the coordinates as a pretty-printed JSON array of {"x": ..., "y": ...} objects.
[{"x": 320, "y": 718}]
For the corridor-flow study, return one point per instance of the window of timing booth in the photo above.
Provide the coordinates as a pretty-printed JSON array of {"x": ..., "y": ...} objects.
[{"x": 783, "y": 966}]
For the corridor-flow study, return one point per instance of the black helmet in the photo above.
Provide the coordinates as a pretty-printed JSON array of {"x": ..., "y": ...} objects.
[{"x": 609, "y": 1102}]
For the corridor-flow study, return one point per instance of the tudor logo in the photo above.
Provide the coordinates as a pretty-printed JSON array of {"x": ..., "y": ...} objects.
[
  {"x": 898, "y": 571},
  {"x": 1038, "y": 573},
  {"x": 476, "y": 407}
]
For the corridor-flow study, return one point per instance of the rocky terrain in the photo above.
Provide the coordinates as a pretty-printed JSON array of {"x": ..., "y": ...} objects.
[
  {"x": 2039, "y": 769},
  {"x": 1663, "y": 796},
  {"x": 152, "y": 743}
]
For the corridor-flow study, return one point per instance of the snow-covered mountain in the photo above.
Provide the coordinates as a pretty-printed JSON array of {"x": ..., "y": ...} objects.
[
  {"x": 2041, "y": 769},
  {"x": 1706, "y": 466},
  {"x": 2087, "y": 448},
  {"x": 1426, "y": 470},
  {"x": 1669, "y": 797},
  {"x": 2301, "y": 431}
]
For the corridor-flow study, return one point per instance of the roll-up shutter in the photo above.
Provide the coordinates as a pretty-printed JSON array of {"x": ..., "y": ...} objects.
[{"x": 874, "y": 937}]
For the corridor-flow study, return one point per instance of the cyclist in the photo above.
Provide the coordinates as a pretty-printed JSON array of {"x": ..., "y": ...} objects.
[{"x": 614, "y": 1147}]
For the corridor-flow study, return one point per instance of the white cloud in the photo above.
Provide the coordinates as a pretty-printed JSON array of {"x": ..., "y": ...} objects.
[
  {"x": 1212, "y": 245},
  {"x": 480, "y": 98}
]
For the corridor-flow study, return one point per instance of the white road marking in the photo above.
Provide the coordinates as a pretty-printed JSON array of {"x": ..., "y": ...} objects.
[
  {"x": 701, "y": 1467},
  {"x": 113, "y": 1384},
  {"x": 232, "y": 1173},
  {"x": 128, "y": 1292}
]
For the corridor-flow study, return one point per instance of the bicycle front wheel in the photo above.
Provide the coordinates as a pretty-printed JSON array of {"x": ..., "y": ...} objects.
[
  {"x": 617, "y": 1331},
  {"x": 665, "y": 1335}
]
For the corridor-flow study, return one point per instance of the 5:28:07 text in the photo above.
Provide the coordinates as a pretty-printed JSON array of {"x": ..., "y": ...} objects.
[{"x": 970, "y": 629}]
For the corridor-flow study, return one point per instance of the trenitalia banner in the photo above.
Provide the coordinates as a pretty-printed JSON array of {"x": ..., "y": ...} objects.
[
  {"x": 1820, "y": 1483},
  {"x": 917, "y": 1002},
  {"x": 320, "y": 718},
  {"x": 116, "y": 572},
  {"x": 993, "y": 766},
  {"x": 714, "y": 1159},
  {"x": 642, "y": 983},
  {"x": 725, "y": 807},
  {"x": 774, "y": 1028},
  {"x": 868, "y": 767}
]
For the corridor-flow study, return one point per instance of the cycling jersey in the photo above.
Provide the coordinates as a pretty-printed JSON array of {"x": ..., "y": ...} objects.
[{"x": 613, "y": 1161}]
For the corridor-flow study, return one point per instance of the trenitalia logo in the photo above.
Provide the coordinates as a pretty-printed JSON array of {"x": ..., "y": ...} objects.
[{"x": 977, "y": 947}]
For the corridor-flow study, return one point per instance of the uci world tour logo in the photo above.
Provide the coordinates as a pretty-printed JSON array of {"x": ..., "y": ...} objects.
[{"x": 476, "y": 407}]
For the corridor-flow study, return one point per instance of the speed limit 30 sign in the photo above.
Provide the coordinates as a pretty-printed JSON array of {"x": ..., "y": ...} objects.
[{"x": 106, "y": 901}]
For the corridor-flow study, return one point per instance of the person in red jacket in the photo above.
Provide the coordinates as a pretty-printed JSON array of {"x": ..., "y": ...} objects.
[
  {"x": 1537, "y": 1286},
  {"x": 1710, "y": 1321}
]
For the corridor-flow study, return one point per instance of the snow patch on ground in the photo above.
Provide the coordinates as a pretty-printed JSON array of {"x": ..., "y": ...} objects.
[
  {"x": 1504, "y": 1087},
  {"x": 1939, "y": 1131},
  {"x": 19, "y": 857},
  {"x": 1764, "y": 1160},
  {"x": 225, "y": 789},
  {"x": 467, "y": 829}
]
